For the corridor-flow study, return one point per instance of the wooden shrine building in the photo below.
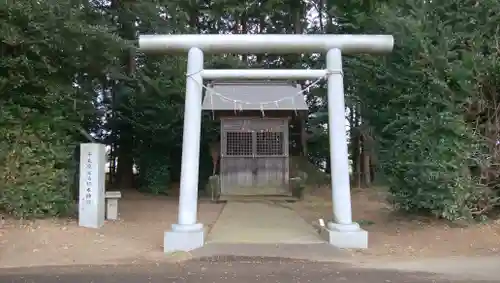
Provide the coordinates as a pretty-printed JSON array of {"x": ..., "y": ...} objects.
[{"x": 261, "y": 126}]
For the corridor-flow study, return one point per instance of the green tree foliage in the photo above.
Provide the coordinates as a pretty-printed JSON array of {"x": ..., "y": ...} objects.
[
  {"x": 157, "y": 119},
  {"x": 418, "y": 102},
  {"x": 43, "y": 48}
]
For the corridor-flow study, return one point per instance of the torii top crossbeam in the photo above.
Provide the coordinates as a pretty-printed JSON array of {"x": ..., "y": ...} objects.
[{"x": 267, "y": 43}]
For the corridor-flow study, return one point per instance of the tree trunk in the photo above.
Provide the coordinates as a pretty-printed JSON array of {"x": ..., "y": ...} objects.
[
  {"x": 303, "y": 137},
  {"x": 364, "y": 167},
  {"x": 355, "y": 146},
  {"x": 125, "y": 138}
]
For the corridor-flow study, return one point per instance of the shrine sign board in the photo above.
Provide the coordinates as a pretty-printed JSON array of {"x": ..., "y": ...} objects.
[{"x": 92, "y": 178}]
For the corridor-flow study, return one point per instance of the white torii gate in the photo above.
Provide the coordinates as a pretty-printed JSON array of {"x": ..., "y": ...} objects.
[{"x": 342, "y": 232}]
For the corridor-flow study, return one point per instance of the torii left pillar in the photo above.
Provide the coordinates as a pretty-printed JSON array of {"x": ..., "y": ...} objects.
[{"x": 188, "y": 234}]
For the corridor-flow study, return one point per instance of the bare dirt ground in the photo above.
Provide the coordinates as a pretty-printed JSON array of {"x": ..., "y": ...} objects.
[
  {"x": 393, "y": 236},
  {"x": 138, "y": 234}
]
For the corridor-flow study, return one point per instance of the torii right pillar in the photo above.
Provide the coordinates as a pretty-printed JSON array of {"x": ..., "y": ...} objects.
[{"x": 341, "y": 231}]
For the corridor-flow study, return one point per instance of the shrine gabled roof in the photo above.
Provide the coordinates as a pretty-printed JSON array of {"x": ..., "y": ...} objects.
[{"x": 254, "y": 95}]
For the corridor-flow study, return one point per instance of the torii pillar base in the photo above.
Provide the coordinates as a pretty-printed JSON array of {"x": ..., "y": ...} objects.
[
  {"x": 345, "y": 236},
  {"x": 182, "y": 238}
]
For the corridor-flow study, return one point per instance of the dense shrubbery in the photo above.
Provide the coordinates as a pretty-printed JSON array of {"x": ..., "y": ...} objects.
[
  {"x": 41, "y": 110},
  {"x": 428, "y": 105}
]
